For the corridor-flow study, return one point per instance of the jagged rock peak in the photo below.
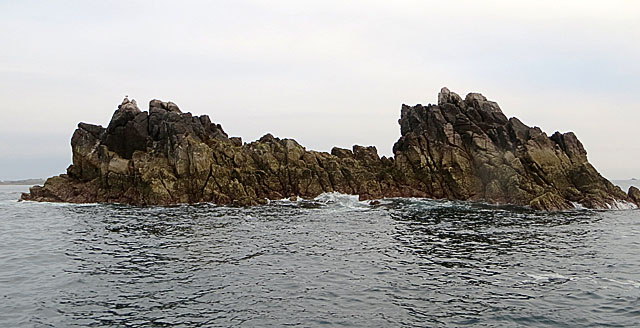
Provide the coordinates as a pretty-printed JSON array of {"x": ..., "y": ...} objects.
[
  {"x": 168, "y": 106},
  {"x": 129, "y": 105},
  {"x": 474, "y": 96},
  {"x": 471, "y": 100},
  {"x": 447, "y": 97}
]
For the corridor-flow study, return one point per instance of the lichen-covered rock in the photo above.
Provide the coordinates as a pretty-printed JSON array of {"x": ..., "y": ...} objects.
[{"x": 464, "y": 149}]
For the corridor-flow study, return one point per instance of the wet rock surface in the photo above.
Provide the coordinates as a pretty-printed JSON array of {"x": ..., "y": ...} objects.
[{"x": 464, "y": 149}]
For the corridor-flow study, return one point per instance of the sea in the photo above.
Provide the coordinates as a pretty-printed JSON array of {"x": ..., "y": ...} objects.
[{"x": 328, "y": 262}]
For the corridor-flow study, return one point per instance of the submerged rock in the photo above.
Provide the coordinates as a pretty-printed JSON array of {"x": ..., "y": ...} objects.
[{"x": 459, "y": 149}]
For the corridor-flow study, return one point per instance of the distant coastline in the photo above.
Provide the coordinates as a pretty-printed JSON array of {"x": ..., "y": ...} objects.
[
  {"x": 626, "y": 184},
  {"x": 26, "y": 182}
]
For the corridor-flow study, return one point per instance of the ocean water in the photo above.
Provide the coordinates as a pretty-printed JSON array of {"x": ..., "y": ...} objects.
[{"x": 332, "y": 262}]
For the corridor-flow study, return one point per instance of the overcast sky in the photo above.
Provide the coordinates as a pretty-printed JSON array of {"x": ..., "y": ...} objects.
[{"x": 326, "y": 73}]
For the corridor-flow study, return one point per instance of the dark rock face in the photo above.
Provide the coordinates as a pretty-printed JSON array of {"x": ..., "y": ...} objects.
[
  {"x": 464, "y": 149},
  {"x": 634, "y": 194},
  {"x": 470, "y": 150}
]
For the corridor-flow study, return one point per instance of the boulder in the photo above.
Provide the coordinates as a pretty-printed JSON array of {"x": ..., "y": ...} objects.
[
  {"x": 447, "y": 97},
  {"x": 167, "y": 106}
]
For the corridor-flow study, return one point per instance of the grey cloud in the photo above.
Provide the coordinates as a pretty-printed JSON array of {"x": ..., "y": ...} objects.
[{"x": 323, "y": 72}]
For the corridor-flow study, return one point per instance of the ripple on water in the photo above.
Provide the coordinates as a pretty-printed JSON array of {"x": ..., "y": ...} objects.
[{"x": 332, "y": 261}]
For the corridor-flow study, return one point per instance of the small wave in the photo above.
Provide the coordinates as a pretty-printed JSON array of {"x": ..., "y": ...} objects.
[
  {"x": 428, "y": 203},
  {"x": 55, "y": 204},
  {"x": 327, "y": 199},
  {"x": 622, "y": 205},
  {"x": 547, "y": 277},
  {"x": 8, "y": 202},
  {"x": 578, "y": 206},
  {"x": 296, "y": 199},
  {"x": 633, "y": 283},
  {"x": 332, "y": 197},
  {"x": 341, "y": 200},
  {"x": 615, "y": 205},
  {"x": 35, "y": 203}
]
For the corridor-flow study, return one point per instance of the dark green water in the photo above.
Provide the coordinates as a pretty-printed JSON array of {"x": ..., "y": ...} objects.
[{"x": 328, "y": 262}]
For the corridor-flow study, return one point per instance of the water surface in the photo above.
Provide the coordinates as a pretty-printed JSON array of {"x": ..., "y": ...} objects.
[{"x": 332, "y": 261}]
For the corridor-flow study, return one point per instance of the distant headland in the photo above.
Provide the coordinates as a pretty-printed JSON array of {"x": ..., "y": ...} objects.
[
  {"x": 461, "y": 148},
  {"x": 24, "y": 182}
]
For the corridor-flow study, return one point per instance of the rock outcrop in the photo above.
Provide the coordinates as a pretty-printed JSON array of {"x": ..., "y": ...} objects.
[
  {"x": 634, "y": 194},
  {"x": 464, "y": 149}
]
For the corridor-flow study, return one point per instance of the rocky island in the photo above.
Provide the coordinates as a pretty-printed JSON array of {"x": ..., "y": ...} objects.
[{"x": 462, "y": 149}]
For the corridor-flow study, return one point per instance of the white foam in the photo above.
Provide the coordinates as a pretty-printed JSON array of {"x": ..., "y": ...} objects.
[
  {"x": 622, "y": 205},
  {"x": 35, "y": 203},
  {"x": 577, "y": 206},
  {"x": 615, "y": 205},
  {"x": 332, "y": 199},
  {"x": 288, "y": 200},
  {"x": 340, "y": 199},
  {"x": 546, "y": 277},
  {"x": 633, "y": 283}
]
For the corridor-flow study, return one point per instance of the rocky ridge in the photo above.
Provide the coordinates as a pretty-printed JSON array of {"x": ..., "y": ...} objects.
[{"x": 464, "y": 149}]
